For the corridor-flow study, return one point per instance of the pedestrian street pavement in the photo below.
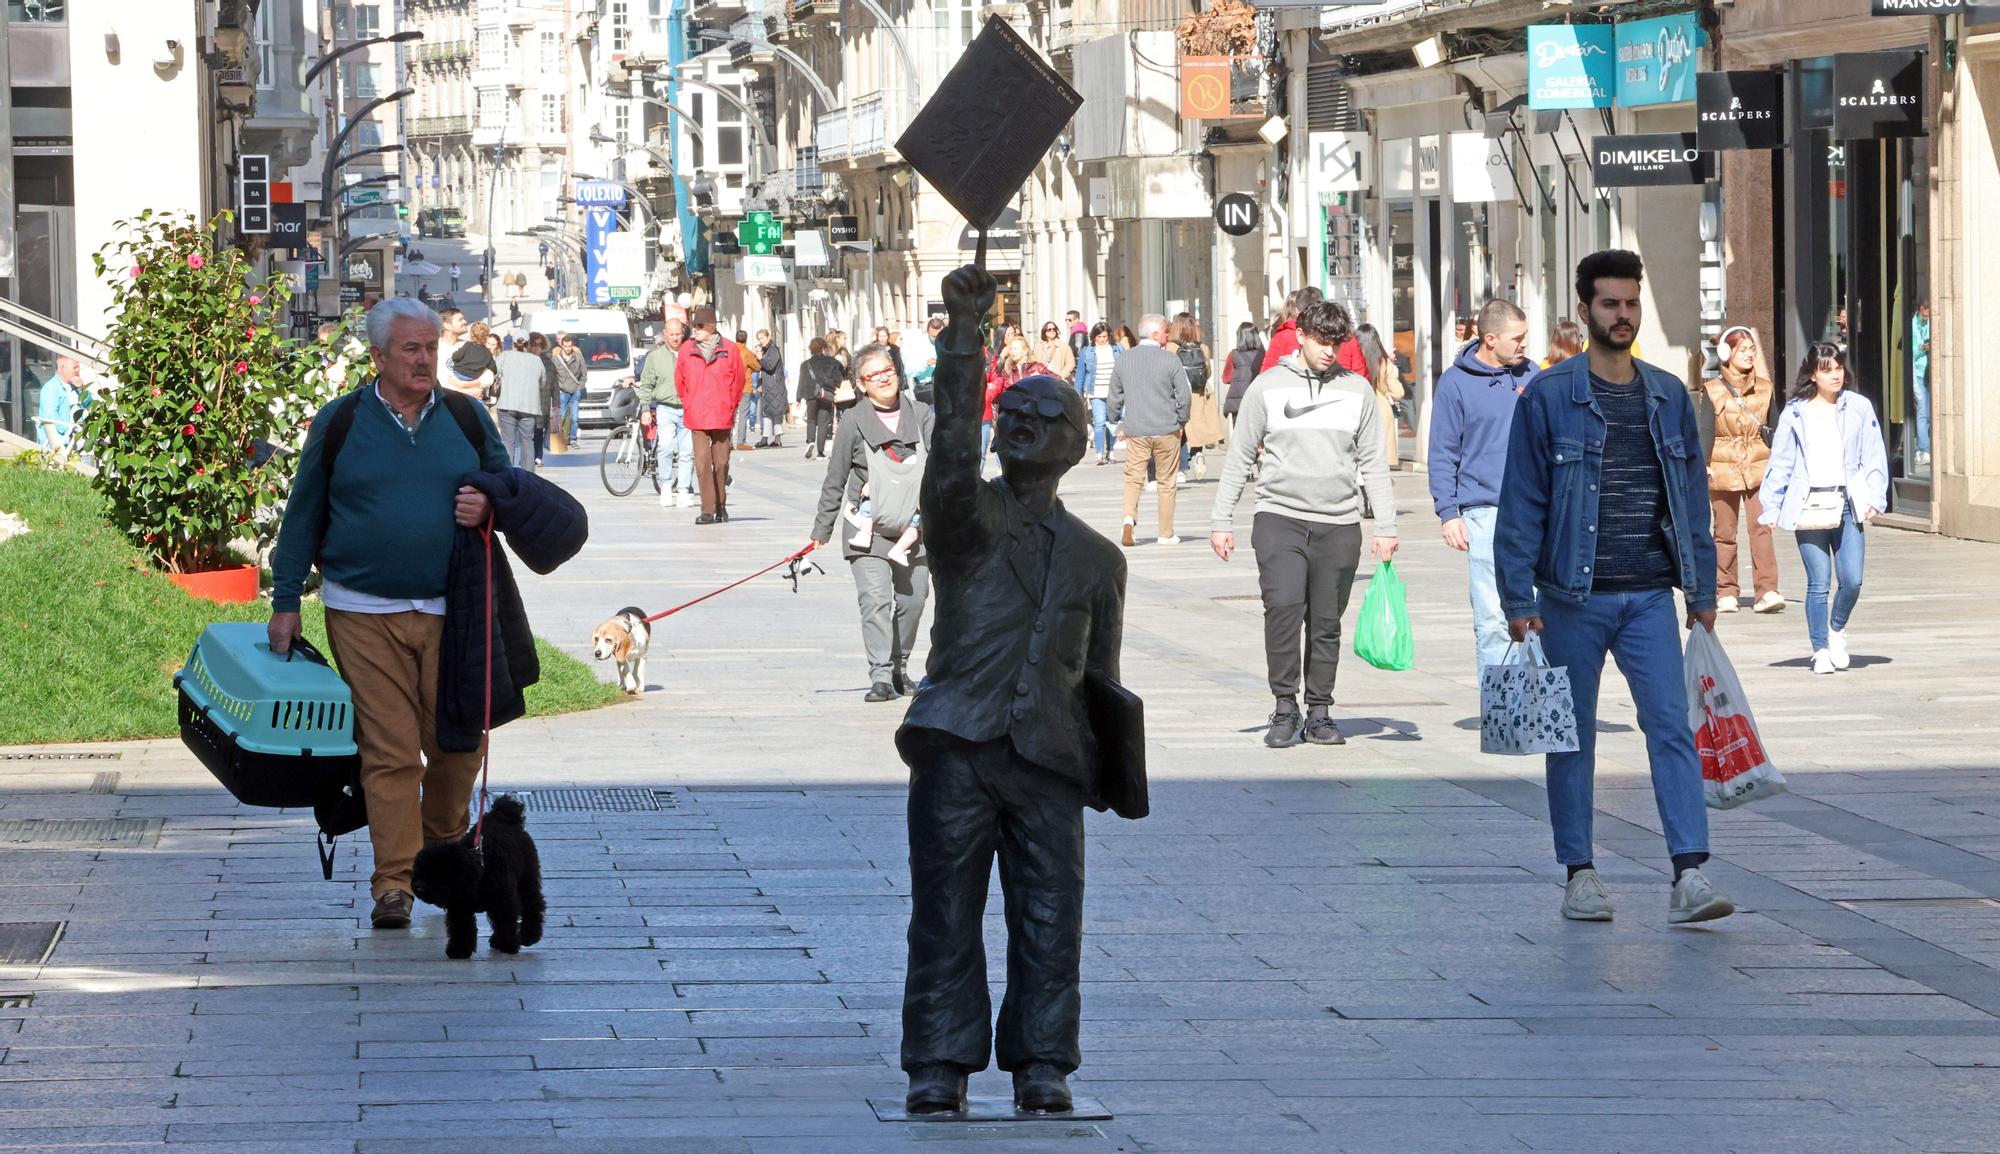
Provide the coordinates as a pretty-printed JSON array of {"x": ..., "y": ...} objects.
[{"x": 1350, "y": 949}]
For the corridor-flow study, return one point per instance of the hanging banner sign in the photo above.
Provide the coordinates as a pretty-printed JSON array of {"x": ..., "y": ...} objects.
[
  {"x": 1878, "y": 95},
  {"x": 600, "y": 192},
  {"x": 1205, "y": 88},
  {"x": 1336, "y": 162},
  {"x": 1656, "y": 60},
  {"x": 1430, "y": 164},
  {"x": 1648, "y": 159},
  {"x": 1570, "y": 66},
  {"x": 598, "y": 225},
  {"x": 1479, "y": 172},
  {"x": 1739, "y": 110},
  {"x": 841, "y": 228}
]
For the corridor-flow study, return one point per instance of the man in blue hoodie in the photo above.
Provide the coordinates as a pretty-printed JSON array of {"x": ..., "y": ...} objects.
[{"x": 1470, "y": 419}]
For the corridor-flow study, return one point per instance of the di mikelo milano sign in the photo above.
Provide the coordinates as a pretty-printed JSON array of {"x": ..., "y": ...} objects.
[{"x": 1648, "y": 159}]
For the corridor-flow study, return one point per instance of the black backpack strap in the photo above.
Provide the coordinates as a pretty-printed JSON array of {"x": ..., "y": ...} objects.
[
  {"x": 465, "y": 411},
  {"x": 339, "y": 419}
]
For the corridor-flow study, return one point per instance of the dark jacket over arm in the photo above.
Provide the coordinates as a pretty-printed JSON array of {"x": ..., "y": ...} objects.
[{"x": 545, "y": 526}]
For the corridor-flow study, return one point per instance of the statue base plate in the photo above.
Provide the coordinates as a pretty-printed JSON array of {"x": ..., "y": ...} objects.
[{"x": 991, "y": 1109}]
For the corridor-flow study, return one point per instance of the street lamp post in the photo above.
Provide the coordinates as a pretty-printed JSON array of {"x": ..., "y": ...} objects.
[{"x": 334, "y": 161}]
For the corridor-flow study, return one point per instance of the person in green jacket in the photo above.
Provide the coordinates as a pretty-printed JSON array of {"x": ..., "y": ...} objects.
[
  {"x": 380, "y": 522},
  {"x": 674, "y": 445}
]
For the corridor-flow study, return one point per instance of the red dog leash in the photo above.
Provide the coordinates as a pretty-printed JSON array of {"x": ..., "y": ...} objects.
[
  {"x": 486, "y": 723},
  {"x": 810, "y": 546}
]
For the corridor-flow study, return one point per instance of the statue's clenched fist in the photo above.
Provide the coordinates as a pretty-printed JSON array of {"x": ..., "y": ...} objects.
[{"x": 969, "y": 292}]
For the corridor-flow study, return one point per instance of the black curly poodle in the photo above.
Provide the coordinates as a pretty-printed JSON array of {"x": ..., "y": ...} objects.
[{"x": 502, "y": 879}]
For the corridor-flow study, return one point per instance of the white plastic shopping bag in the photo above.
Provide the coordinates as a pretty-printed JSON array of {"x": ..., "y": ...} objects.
[
  {"x": 1525, "y": 704},
  {"x": 1735, "y": 770}
]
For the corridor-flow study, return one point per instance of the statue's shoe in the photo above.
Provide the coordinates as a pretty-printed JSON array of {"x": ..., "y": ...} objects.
[
  {"x": 936, "y": 1090},
  {"x": 1042, "y": 1089}
]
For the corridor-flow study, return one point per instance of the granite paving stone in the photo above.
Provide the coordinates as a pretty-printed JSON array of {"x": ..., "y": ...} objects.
[{"x": 1303, "y": 950}]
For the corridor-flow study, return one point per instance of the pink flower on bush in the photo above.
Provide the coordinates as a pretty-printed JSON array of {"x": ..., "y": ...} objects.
[
  {"x": 136, "y": 270},
  {"x": 251, "y": 332},
  {"x": 242, "y": 367},
  {"x": 200, "y": 471},
  {"x": 187, "y": 430},
  {"x": 200, "y": 407},
  {"x": 255, "y": 300},
  {"x": 156, "y": 391},
  {"x": 195, "y": 260}
]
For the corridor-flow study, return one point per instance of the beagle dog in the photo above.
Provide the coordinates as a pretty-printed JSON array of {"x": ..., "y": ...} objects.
[{"x": 624, "y": 639}]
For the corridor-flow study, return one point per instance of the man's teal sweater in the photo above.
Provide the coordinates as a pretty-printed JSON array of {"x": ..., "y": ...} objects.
[{"x": 386, "y": 526}]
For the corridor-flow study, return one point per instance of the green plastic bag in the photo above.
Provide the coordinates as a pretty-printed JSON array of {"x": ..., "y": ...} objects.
[{"x": 1382, "y": 637}]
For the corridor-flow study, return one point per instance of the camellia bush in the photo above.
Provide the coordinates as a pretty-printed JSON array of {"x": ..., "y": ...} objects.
[{"x": 206, "y": 385}]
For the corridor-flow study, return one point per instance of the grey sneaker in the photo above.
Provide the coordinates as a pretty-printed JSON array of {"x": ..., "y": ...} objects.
[
  {"x": 392, "y": 911},
  {"x": 1320, "y": 729},
  {"x": 1286, "y": 725},
  {"x": 1584, "y": 899},
  {"x": 1695, "y": 900}
]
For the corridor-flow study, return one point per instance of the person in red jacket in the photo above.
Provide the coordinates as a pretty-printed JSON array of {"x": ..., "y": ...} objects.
[
  {"x": 1285, "y": 338},
  {"x": 709, "y": 375}
]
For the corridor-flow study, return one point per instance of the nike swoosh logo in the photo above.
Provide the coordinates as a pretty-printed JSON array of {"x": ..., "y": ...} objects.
[{"x": 1294, "y": 412}]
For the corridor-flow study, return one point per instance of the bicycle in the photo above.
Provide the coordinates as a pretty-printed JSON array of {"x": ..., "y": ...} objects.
[{"x": 628, "y": 455}]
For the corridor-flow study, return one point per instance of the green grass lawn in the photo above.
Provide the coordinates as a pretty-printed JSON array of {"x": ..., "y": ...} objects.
[{"x": 90, "y": 639}]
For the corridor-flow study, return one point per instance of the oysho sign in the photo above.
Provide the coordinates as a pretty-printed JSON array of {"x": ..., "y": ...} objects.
[
  {"x": 1570, "y": 65},
  {"x": 1648, "y": 159},
  {"x": 1878, "y": 95},
  {"x": 1739, "y": 110}
]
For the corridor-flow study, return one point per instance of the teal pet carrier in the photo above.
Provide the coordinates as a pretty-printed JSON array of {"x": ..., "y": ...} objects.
[{"x": 274, "y": 730}]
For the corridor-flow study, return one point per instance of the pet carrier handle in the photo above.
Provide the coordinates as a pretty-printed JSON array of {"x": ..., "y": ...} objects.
[{"x": 301, "y": 645}]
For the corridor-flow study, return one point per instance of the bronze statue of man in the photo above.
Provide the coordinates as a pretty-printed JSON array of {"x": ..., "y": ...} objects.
[{"x": 999, "y": 741}]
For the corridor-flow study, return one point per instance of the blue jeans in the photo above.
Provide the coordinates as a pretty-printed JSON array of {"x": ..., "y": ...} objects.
[
  {"x": 1920, "y": 388},
  {"x": 985, "y": 445},
  {"x": 566, "y": 404},
  {"x": 1100, "y": 425},
  {"x": 1642, "y": 630},
  {"x": 1828, "y": 553},
  {"x": 1489, "y": 624},
  {"x": 673, "y": 451}
]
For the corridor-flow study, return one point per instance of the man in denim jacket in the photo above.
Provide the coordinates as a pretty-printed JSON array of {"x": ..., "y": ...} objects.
[{"x": 1603, "y": 512}]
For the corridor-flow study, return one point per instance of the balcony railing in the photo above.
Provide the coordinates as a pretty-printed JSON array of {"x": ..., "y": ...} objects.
[
  {"x": 440, "y": 125},
  {"x": 444, "y": 52},
  {"x": 830, "y": 135},
  {"x": 864, "y": 129}
]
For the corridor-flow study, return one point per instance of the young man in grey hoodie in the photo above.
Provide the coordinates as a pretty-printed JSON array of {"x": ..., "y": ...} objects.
[{"x": 1314, "y": 431}]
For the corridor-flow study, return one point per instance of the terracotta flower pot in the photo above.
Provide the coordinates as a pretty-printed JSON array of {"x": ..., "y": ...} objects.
[{"x": 238, "y": 583}]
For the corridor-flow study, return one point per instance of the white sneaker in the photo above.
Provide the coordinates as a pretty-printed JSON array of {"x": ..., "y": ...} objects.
[
  {"x": 1822, "y": 661},
  {"x": 684, "y": 499},
  {"x": 1584, "y": 899},
  {"x": 1695, "y": 900},
  {"x": 1772, "y": 602},
  {"x": 1923, "y": 458},
  {"x": 1152, "y": 486},
  {"x": 666, "y": 498},
  {"x": 1836, "y": 648},
  {"x": 1168, "y": 541},
  {"x": 1181, "y": 478},
  {"x": 1725, "y": 604}
]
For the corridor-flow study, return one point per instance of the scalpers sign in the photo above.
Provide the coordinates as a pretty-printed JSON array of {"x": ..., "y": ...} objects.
[
  {"x": 1570, "y": 66},
  {"x": 1878, "y": 95},
  {"x": 1656, "y": 60},
  {"x": 1739, "y": 110}
]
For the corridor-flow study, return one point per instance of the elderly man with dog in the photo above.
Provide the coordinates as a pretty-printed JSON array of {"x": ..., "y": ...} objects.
[{"x": 376, "y": 501}]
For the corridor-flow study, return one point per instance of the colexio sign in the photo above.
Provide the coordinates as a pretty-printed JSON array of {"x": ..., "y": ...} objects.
[{"x": 1648, "y": 159}]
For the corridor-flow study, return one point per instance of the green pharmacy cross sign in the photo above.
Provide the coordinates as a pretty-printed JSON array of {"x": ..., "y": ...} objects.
[{"x": 760, "y": 233}]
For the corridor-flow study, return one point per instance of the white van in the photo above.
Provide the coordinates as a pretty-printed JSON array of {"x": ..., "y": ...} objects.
[{"x": 605, "y": 336}]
